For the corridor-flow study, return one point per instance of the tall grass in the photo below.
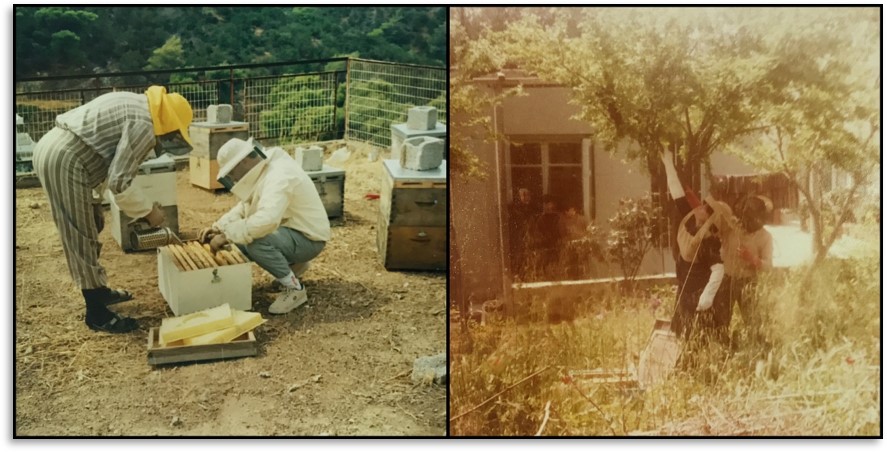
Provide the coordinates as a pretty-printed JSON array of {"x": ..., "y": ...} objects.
[{"x": 813, "y": 368}]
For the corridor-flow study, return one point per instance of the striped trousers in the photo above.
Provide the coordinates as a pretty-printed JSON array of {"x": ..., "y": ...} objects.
[{"x": 68, "y": 171}]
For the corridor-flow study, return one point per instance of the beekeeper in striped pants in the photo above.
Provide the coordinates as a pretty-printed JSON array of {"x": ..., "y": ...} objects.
[{"x": 101, "y": 144}]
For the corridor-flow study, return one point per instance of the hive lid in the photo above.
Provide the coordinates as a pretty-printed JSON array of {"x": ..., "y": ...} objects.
[
  {"x": 326, "y": 171},
  {"x": 218, "y": 125},
  {"x": 162, "y": 164},
  {"x": 401, "y": 174}
]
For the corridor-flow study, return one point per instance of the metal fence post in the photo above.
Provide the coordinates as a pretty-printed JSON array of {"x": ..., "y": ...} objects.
[
  {"x": 347, "y": 95},
  {"x": 231, "y": 87}
]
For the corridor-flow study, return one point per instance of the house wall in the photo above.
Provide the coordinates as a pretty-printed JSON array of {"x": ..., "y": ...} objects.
[
  {"x": 542, "y": 111},
  {"x": 616, "y": 179},
  {"x": 475, "y": 215},
  {"x": 546, "y": 112},
  {"x": 729, "y": 164}
]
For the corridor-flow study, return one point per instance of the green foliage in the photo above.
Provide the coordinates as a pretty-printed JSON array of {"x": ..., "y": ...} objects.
[
  {"x": 375, "y": 98},
  {"x": 125, "y": 38},
  {"x": 821, "y": 114},
  {"x": 657, "y": 77},
  {"x": 471, "y": 104},
  {"x": 169, "y": 55},
  {"x": 631, "y": 234},
  {"x": 295, "y": 112},
  {"x": 786, "y": 99}
]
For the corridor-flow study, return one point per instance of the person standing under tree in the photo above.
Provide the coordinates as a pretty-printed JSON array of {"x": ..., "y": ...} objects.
[
  {"x": 747, "y": 251},
  {"x": 700, "y": 270}
]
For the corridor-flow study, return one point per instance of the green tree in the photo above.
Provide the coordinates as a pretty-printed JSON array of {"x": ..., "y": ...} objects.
[
  {"x": 54, "y": 39},
  {"x": 700, "y": 80},
  {"x": 474, "y": 53},
  {"x": 168, "y": 56},
  {"x": 685, "y": 79},
  {"x": 822, "y": 115}
]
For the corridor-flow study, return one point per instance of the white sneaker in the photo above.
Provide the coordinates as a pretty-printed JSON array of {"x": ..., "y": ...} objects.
[
  {"x": 299, "y": 268},
  {"x": 288, "y": 300}
]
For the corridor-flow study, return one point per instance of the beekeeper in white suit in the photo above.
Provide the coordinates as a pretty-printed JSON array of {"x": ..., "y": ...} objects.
[{"x": 280, "y": 221}]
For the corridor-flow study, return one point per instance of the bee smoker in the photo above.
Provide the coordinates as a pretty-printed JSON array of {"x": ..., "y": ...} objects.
[{"x": 143, "y": 237}]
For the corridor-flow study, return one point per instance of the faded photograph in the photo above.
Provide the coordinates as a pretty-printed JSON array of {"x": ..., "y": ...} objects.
[{"x": 665, "y": 222}]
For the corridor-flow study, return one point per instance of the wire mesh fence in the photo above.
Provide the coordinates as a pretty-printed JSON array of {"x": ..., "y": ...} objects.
[
  {"x": 39, "y": 109},
  {"x": 304, "y": 101},
  {"x": 380, "y": 93},
  {"x": 291, "y": 107}
]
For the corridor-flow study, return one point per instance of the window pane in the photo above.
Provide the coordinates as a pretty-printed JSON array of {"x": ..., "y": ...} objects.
[
  {"x": 529, "y": 178},
  {"x": 565, "y": 153},
  {"x": 526, "y": 154},
  {"x": 565, "y": 184}
]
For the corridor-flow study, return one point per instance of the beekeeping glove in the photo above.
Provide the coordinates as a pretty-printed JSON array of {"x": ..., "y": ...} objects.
[
  {"x": 206, "y": 234},
  {"x": 711, "y": 288},
  {"x": 156, "y": 216},
  {"x": 218, "y": 242}
]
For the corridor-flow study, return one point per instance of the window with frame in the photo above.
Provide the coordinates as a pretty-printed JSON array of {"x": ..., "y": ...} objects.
[{"x": 558, "y": 167}]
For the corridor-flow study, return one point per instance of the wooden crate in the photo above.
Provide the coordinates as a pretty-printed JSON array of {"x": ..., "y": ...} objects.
[
  {"x": 330, "y": 185},
  {"x": 176, "y": 352},
  {"x": 187, "y": 291},
  {"x": 204, "y": 173},
  {"x": 412, "y": 231},
  {"x": 412, "y": 247},
  {"x": 414, "y": 203},
  {"x": 207, "y": 137}
]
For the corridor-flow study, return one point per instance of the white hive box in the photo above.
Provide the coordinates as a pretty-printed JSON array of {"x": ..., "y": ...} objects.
[
  {"x": 156, "y": 178},
  {"x": 187, "y": 291}
]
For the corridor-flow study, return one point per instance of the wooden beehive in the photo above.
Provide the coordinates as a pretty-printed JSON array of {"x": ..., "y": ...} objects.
[
  {"x": 193, "y": 279},
  {"x": 330, "y": 185},
  {"x": 412, "y": 232},
  {"x": 204, "y": 172},
  {"x": 208, "y": 137}
]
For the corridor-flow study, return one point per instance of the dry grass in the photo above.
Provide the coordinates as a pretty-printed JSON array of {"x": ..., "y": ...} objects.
[{"x": 816, "y": 370}]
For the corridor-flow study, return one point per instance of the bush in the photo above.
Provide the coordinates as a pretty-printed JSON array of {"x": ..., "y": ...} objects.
[{"x": 631, "y": 235}]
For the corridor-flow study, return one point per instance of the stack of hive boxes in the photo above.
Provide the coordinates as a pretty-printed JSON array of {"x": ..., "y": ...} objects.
[
  {"x": 207, "y": 137},
  {"x": 412, "y": 226}
]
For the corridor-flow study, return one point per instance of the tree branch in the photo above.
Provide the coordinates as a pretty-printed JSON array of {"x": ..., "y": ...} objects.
[
  {"x": 545, "y": 418},
  {"x": 496, "y": 395},
  {"x": 845, "y": 210}
]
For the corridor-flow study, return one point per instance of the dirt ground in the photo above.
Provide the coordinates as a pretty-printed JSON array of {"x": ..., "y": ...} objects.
[{"x": 348, "y": 352}]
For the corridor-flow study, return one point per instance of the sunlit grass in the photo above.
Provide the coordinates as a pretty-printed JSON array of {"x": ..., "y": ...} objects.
[{"x": 815, "y": 371}]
